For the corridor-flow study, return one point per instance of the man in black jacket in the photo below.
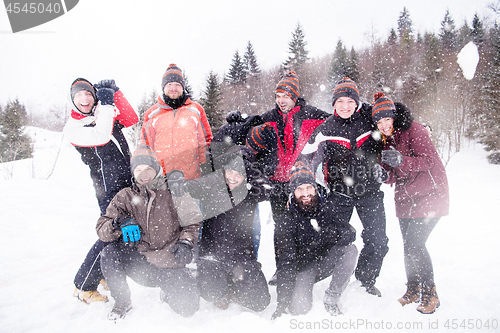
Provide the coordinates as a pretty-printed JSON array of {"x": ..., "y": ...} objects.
[
  {"x": 313, "y": 245},
  {"x": 348, "y": 153}
]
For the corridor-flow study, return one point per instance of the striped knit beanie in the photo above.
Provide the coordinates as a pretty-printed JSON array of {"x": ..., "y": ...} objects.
[
  {"x": 346, "y": 88},
  {"x": 300, "y": 175},
  {"x": 383, "y": 107},
  {"x": 262, "y": 138},
  {"x": 144, "y": 155},
  {"x": 289, "y": 85},
  {"x": 82, "y": 84},
  {"x": 172, "y": 74}
]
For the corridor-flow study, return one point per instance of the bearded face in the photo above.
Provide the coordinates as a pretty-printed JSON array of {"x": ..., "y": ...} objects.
[{"x": 305, "y": 198}]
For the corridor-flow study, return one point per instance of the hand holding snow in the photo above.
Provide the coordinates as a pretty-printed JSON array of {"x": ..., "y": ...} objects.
[{"x": 467, "y": 59}]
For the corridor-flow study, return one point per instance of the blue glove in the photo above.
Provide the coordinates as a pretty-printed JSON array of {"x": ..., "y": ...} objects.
[
  {"x": 392, "y": 157},
  {"x": 106, "y": 96},
  {"x": 130, "y": 229},
  {"x": 106, "y": 84}
]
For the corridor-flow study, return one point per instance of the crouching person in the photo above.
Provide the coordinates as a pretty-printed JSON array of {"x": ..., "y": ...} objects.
[
  {"x": 227, "y": 268},
  {"x": 158, "y": 231},
  {"x": 313, "y": 245}
]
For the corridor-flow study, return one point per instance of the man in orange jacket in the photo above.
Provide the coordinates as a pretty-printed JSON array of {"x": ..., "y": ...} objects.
[{"x": 176, "y": 128}]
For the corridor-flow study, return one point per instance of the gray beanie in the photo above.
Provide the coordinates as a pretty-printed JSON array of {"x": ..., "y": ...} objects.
[{"x": 145, "y": 155}]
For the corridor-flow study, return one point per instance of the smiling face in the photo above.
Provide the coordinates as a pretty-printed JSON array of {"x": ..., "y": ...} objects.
[
  {"x": 173, "y": 90},
  {"x": 386, "y": 126},
  {"x": 143, "y": 174},
  {"x": 84, "y": 101},
  {"x": 285, "y": 102},
  {"x": 345, "y": 107},
  {"x": 233, "y": 179},
  {"x": 305, "y": 193}
]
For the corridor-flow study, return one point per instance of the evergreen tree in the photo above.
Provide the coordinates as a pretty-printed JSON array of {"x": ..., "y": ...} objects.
[
  {"x": 237, "y": 73},
  {"x": 353, "y": 72},
  {"x": 297, "y": 50},
  {"x": 477, "y": 32},
  {"x": 448, "y": 32},
  {"x": 405, "y": 28},
  {"x": 393, "y": 37},
  {"x": 340, "y": 63},
  {"x": 14, "y": 143},
  {"x": 490, "y": 120},
  {"x": 464, "y": 35},
  {"x": 250, "y": 61},
  {"x": 211, "y": 100}
]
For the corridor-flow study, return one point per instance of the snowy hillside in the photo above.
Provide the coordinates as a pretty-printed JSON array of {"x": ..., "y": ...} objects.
[{"x": 48, "y": 225}]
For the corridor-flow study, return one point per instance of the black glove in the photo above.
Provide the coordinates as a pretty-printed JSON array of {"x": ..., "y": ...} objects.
[
  {"x": 379, "y": 173},
  {"x": 176, "y": 183},
  {"x": 279, "y": 311},
  {"x": 183, "y": 251},
  {"x": 106, "y": 96},
  {"x": 106, "y": 84},
  {"x": 234, "y": 117},
  {"x": 130, "y": 228},
  {"x": 392, "y": 157}
]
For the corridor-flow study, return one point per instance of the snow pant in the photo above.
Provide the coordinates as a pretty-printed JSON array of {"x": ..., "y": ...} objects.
[
  {"x": 338, "y": 263},
  {"x": 119, "y": 260},
  {"x": 217, "y": 278},
  {"x": 370, "y": 209},
  {"x": 89, "y": 274},
  {"x": 418, "y": 263},
  {"x": 278, "y": 200}
]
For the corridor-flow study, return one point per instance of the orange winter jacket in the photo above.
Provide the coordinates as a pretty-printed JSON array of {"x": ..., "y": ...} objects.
[{"x": 179, "y": 137}]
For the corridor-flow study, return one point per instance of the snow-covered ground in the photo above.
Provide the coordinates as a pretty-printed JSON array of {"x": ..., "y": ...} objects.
[{"x": 48, "y": 225}]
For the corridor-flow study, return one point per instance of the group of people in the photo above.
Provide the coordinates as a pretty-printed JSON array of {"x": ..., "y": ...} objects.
[{"x": 187, "y": 196}]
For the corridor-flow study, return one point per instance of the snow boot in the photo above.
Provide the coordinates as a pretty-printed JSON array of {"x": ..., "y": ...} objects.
[
  {"x": 371, "y": 289},
  {"x": 104, "y": 284},
  {"x": 120, "y": 310},
  {"x": 429, "y": 301},
  {"x": 89, "y": 296},
  {"x": 333, "y": 310},
  {"x": 274, "y": 279},
  {"x": 412, "y": 295}
]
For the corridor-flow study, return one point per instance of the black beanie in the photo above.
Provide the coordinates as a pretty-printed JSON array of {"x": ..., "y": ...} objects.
[
  {"x": 145, "y": 155},
  {"x": 289, "y": 85},
  {"x": 172, "y": 74},
  {"x": 383, "y": 107},
  {"x": 346, "y": 88},
  {"x": 300, "y": 175},
  {"x": 82, "y": 84},
  {"x": 262, "y": 138}
]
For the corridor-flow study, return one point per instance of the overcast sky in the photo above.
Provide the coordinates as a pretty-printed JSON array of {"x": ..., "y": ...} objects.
[{"x": 134, "y": 41}]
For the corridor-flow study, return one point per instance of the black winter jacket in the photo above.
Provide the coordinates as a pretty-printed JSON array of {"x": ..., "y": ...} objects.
[
  {"x": 109, "y": 166},
  {"x": 347, "y": 151},
  {"x": 227, "y": 232},
  {"x": 305, "y": 237}
]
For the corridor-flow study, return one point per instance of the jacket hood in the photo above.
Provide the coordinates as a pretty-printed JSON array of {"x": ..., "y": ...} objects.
[{"x": 403, "y": 118}]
